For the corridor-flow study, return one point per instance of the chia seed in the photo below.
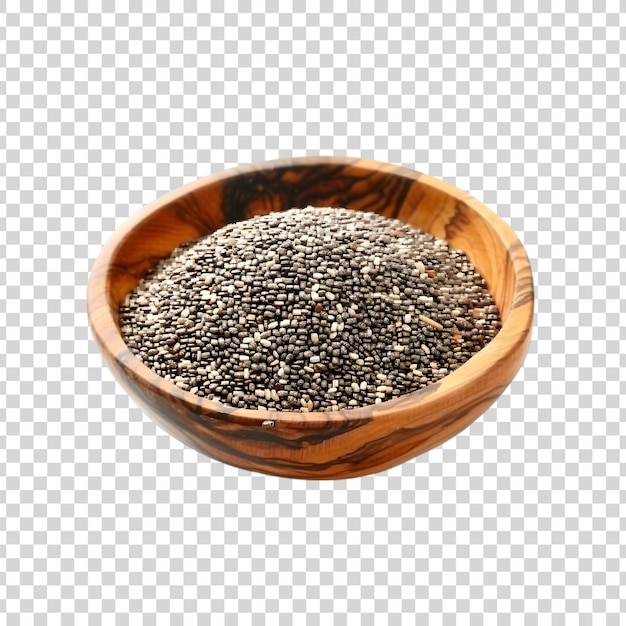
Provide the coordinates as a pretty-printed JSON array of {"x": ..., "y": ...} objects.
[{"x": 313, "y": 309}]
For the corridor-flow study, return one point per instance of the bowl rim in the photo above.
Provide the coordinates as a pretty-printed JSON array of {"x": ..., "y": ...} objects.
[{"x": 512, "y": 338}]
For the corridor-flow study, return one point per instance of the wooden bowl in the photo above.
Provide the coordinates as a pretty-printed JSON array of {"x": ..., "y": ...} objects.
[{"x": 318, "y": 445}]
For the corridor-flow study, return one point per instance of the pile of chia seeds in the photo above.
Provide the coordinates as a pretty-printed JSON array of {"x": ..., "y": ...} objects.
[{"x": 313, "y": 309}]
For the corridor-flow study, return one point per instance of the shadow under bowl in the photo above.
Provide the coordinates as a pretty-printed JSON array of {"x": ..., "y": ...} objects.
[{"x": 317, "y": 445}]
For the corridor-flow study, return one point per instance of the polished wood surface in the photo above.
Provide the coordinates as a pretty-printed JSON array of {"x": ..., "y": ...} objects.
[{"x": 318, "y": 445}]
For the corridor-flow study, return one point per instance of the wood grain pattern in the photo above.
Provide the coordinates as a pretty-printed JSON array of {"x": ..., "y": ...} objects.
[{"x": 318, "y": 445}]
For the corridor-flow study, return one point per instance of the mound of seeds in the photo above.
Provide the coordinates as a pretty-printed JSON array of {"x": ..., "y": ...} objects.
[{"x": 309, "y": 309}]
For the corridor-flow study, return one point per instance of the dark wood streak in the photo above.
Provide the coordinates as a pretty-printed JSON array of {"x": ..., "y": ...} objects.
[
  {"x": 318, "y": 445},
  {"x": 458, "y": 222},
  {"x": 274, "y": 435},
  {"x": 526, "y": 295},
  {"x": 526, "y": 290},
  {"x": 284, "y": 188},
  {"x": 191, "y": 211}
]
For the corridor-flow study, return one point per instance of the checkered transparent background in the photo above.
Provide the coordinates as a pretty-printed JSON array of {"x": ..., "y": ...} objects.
[{"x": 106, "y": 519}]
